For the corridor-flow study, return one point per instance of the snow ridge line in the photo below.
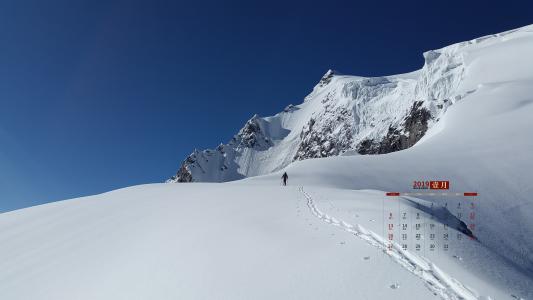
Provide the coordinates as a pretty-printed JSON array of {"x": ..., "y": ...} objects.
[{"x": 438, "y": 282}]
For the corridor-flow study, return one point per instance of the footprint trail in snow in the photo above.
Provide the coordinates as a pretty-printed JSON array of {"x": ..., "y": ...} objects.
[{"x": 435, "y": 279}]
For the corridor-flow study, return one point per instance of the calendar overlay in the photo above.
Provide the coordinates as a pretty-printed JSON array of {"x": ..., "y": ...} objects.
[{"x": 443, "y": 223}]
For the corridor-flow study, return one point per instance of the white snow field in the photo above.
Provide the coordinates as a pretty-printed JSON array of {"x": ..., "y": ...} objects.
[
  {"x": 321, "y": 237},
  {"x": 194, "y": 241},
  {"x": 233, "y": 241}
]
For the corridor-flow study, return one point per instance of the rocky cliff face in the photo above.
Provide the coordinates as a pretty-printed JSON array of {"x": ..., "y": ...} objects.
[
  {"x": 374, "y": 115},
  {"x": 252, "y": 136},
  {"x": 332, "y": 137},
  {"x": 410, "y": 131}
]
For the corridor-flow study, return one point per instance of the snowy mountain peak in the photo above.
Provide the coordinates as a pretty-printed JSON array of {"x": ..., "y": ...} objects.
[
  {"x": 347, "y": 114},
  {"x": 327, "y": 77},
  {"x": 252, "y": 135}
]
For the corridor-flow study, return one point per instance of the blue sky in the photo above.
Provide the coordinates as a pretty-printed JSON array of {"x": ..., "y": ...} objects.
[{"x": 98, "y": 95}]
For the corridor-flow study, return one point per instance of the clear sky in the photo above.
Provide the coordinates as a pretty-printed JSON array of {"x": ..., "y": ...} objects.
[{"x": 98, "y": 95}]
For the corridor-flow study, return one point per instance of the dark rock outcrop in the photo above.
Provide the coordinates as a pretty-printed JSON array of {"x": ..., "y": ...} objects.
[
  {"x": 333, "y": 137},
  {"x": 326, "y": 79},
  {"x": 183, "y": 174},
  {"x": 412, "y": 130},
  {"x": 251, "y": 136}
]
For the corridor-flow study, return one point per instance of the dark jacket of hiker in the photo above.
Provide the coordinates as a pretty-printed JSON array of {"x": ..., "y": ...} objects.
[{"x": 285, "y": 177}]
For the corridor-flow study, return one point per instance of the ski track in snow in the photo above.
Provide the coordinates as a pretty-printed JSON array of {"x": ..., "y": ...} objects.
[{"x": 435, "y": 279}]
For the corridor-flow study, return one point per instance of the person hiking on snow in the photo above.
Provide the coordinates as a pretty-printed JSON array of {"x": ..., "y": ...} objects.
[{"x": 285, "y": 177}]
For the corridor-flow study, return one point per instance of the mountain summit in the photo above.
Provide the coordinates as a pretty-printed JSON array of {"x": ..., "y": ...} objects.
[{"x": 344, "y": 115}]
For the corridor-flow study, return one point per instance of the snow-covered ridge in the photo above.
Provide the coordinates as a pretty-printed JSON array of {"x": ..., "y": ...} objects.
[{"x": 367, "y": 115}]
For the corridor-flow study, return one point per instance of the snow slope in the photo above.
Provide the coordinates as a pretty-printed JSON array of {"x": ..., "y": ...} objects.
[
  {"x": 201, "y": 241},
  {"x": 226, "y": 241}
]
